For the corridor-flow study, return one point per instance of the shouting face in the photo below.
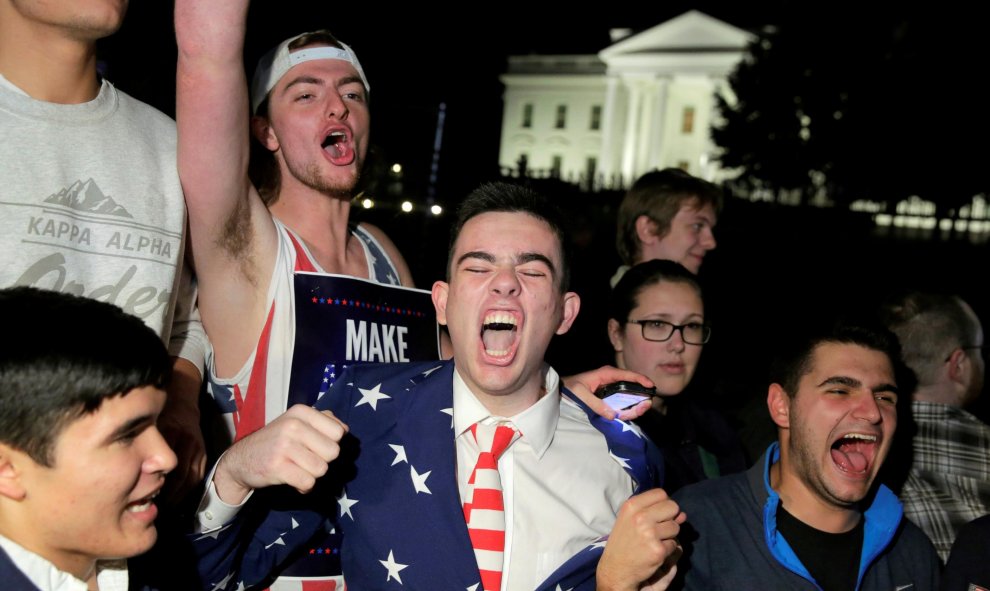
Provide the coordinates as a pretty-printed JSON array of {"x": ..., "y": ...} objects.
[
  {"x": 502, "y": 306},
  {"x": 837, "y": 428}
]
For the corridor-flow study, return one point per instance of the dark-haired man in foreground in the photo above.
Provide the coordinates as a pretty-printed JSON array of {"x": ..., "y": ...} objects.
[
  {"x": 810, "y": 514},
  {"x": 81, "y": 460},
  {"x": 538, "y": 480}
]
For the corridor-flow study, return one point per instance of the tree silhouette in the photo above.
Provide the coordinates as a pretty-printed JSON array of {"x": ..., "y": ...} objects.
[{"x": 871, "y": 103}]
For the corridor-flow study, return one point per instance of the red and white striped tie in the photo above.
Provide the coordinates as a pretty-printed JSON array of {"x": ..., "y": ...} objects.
[{"x": 484, "y": 510}]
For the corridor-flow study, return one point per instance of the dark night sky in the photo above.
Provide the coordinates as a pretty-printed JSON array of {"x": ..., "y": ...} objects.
[
  {"x": 415, "y": 59},
  {"x": 771, "y": 264}
]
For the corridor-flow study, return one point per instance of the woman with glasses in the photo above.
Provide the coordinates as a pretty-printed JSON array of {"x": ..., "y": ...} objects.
[{"x": 657, "y": 328}]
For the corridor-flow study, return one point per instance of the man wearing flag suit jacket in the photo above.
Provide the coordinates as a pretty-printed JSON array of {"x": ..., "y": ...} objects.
[{"x": 570, "y": 519}]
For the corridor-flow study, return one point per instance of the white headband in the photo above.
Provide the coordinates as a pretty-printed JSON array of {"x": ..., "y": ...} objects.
[{"x": 280, "y": 60}]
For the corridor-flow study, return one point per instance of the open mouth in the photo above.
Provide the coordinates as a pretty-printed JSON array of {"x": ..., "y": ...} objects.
[
  {"x": 498, "y": 334},
  {"x": 854, "y": 452},
  {"x": 337, "y": 147},
  {"x": 142, "y": 505}
]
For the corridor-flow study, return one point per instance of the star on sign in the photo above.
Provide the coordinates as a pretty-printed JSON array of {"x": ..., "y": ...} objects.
[
  {"x": 568, "y": 589},
  {"x": 473, "y": 587},
  {"x": 598, "y": 544},
  {"x": 431, "y": 370},
  {"x": 400, "y": 454},
  {"x": 624, "y": 462},
  {"x": 419, "y": 480},
  {"x": 449, "y": 411},
  {"x": 371, "y": 397},
  {"x": 240, "y": 586},
  {"x": 345, "y": 505},
  {"x": 393, "y": 568}
]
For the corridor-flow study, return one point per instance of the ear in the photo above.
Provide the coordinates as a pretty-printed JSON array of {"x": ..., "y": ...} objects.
[
  {"x": 572, "y": 305},
  {"x": 646, "y": 230},
  {"x": 779, "y": 405},
  {"x": 262, "y": 130},
  {"x": 10, "y": 473},
  {"x": 615, "y": 334},
  {"x": 956, "y": 362},
  {"x": 439, "y": 293}
]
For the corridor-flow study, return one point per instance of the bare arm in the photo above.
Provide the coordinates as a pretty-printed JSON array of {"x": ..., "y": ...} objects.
[{"x": 233, "y": 237}]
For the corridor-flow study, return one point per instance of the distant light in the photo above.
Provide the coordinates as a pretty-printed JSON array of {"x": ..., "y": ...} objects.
[
  {"x": 368, "y": 203},
  {"x": 882, "y": 219},
  {"x": 396, "y": 168},
  {"x": 406, "y": 206},
  {"x": 436, "y": 209}
]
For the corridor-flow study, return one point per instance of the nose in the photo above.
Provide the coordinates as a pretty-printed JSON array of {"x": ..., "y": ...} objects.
[
  {"x": 160, "y": 457},
  {"x": 676, "y": 341},
  {"x": 708, "y": 239},
  {"x": 336, "y": 106},
  {"x": 505, "y": 282},
  {"x": 868, "y": 409}
]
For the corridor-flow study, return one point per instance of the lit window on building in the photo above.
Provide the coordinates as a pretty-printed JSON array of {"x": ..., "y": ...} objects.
[
  {"x": 561, "y": 122},
  {"x": 596, "y": 117},
  {"x": 687, "y": 121},
  {"x": 527, "y": 118}
]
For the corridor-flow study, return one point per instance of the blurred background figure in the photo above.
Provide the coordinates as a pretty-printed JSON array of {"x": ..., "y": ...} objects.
[
  {"x": 667, "y": 214},
  {"x": 657, "y": 328},
  {"x": 948, "y": 482}
]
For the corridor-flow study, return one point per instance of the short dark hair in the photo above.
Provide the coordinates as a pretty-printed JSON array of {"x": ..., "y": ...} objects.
[
  {"x": 796, "y": 349},
  {"x": 929, "y": 326},
  {"x": 625, "y": 296},
  {"x": 262, "y": 168},
  {"x": 509, "y": 197},
  {"x": 659, "y": 195},
  {"x": 62, "y": 356}
]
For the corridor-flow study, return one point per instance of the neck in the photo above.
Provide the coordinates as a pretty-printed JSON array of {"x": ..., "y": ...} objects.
[
  {"x": 321, "y": 221},
  {"x": 511, "y": 404},
  {"x": 939, "y": 394},
  {"x": 808, "y": 507},
  {"x": 81, "y": 567},
  {"x": 45, "y": 64}
]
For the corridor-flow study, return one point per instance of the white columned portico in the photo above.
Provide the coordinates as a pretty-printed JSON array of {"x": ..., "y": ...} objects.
[{"x": 629, "y": 143}]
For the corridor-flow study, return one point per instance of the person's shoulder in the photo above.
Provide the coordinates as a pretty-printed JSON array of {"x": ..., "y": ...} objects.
[
  {"x": 133, "y": 107},
  {"x": 714, "y": 491},
  {"x": 912, "y": 540}
]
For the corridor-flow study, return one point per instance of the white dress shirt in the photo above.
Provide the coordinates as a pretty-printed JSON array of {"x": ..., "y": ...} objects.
[
  {"x": 561, "y": 487},
  {"x": 111, "y": 575}
]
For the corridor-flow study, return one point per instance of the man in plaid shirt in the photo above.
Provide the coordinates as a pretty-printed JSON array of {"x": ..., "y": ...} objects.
[{"x": 948, "y": 483}]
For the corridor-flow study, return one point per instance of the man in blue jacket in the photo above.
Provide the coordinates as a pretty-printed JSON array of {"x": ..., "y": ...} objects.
[
  {"x": 423, "y": 499},
  {"x": 809, "y": 514}
]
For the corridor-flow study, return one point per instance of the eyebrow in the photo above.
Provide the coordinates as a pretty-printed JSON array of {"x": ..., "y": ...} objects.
[
  {"x": 350, "y": 80},
  {"x": 526, "y": 257},
  {"x": 303, "y": 80},
  {"x": 135, "y": 424},
  {"x": 854, "y": 383}
]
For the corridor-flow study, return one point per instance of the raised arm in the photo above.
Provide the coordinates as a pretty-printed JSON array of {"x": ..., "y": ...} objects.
[{"x": 233, "y": 236}]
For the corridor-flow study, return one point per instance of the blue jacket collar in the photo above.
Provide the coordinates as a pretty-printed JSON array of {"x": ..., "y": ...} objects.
[{"x": 882, "y": 519}]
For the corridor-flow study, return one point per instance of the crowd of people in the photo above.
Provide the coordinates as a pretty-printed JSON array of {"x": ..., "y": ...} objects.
[{"x": 147, "y": 263}]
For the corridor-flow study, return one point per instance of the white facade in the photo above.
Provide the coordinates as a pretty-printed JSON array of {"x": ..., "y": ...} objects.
[{"x": 654, "y": 93}]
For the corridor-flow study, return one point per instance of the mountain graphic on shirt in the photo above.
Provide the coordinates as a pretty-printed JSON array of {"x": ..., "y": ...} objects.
[{"x": 87, "y": 196}]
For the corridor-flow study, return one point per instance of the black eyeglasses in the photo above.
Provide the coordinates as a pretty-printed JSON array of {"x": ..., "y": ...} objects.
[{"x": 658, "y": 331}]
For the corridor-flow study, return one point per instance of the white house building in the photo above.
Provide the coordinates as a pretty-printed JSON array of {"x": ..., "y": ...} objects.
[{"x": 646, "y": 101}]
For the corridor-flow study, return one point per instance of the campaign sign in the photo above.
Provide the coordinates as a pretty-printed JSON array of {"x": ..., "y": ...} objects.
[{"x": 342, "y": 320}]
